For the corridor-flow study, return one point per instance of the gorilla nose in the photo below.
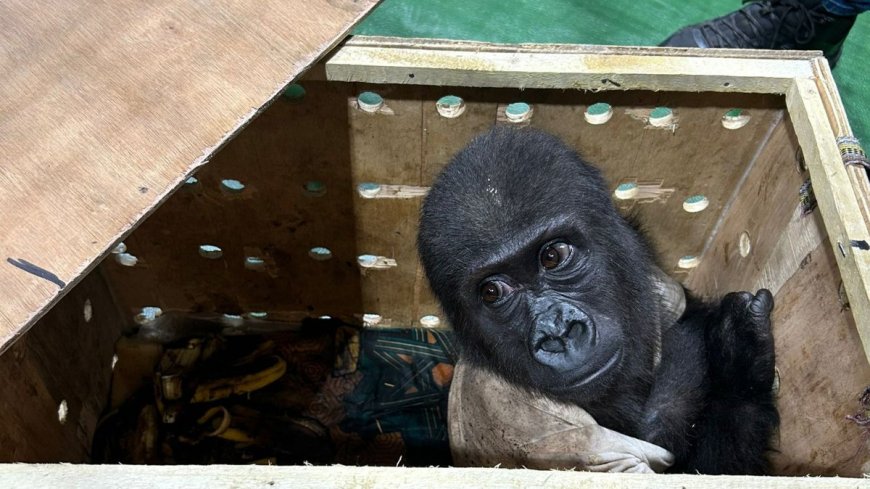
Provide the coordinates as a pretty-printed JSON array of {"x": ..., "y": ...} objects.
[
  {"x": 561, "y": 344},
  {"x": 552, "y": 345}
]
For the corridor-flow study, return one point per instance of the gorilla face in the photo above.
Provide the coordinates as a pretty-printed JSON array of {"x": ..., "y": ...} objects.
[{"x": 539, "y": 275}]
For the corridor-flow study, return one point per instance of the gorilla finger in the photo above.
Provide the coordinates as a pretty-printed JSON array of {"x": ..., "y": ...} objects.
[{"x": 762, "y": 304}]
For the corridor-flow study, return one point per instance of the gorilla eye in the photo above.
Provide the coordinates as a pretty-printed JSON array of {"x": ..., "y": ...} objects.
[
  {"x": 554, "y": 254},
  {"x": 493, "y": 290}
]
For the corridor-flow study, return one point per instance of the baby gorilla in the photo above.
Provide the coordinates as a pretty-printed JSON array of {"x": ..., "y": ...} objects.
[{"x": 549, "y": 286}]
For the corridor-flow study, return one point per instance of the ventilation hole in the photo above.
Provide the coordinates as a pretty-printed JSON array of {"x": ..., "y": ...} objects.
[
  {"x": 120, "y": 248},
  {"x": 211, "y": 252},
  {"x": 147, "y": 315},
  {"x": 450, "y": 106},
  {"x": 371, "y": 319},
  {"x": 661, "y": 117},
  {"x": 598, "y": 113},
  {"x": 114, "y": 360},
  {"x": 62, "y": 411},
  {"x": 315, "y": 188},
  {"x": 232, "y": 186},
  {"x": 232, "y": 320},
  {"x": 626, "y": 191},
  {"x": 294, "y": 92},
  {"x": 126, "y": 259},
  {"x": 518, "y": 112},
  {"x": 369, "y": 102},
  {"x": 689, "y": 261},
  {"x": 430, "y": 321},
  {"x": 367, "y": 260},
  {"x": 695, "y": 203},
  {"x": 255, "y": 263},
  {"x": 191, "y": 181},
  {"x": 744, "y": 244},
  {"x": 368, "y": 189},
  {"x": 88, "y": 311},
  {"x": 735, "y": 119},
  {"x": 320, "y": 253},
  {"x": 776, "y": 382},
  {"x": 258, "y": 315}
]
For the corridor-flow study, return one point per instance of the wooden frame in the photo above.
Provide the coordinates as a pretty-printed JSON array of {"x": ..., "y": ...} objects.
[
  {"x": 804, "y": 77},
  {"x": 343, "y": 477},
  {"x": 812, "y": 102}
]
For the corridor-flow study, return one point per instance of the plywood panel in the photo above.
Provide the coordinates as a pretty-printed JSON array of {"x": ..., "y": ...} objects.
[
  {"x": 106, "y": 106},
  {"x": 823, "y": 371},
  {"x": 762, "y": 207},
  {"x": 294, "y": 143},
  {"x": 65, "y": 358}
]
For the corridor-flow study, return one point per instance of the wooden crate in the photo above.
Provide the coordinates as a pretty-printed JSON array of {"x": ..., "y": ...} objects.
[{"x": 321, "y": 170}]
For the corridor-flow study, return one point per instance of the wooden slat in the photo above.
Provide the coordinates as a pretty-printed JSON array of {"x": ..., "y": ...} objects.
[
  {"x": 341, "y": 477},
  {"x": 105, "y": 107},
  {"x": 836, "y": 197},
  {"x": 441, "y": 62},
  {"x": 65, "y": 358},
  {"x": 822, "y": 372}
]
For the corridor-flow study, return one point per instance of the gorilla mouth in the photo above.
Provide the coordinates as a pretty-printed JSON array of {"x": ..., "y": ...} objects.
[{"x": 612, "y": 362}]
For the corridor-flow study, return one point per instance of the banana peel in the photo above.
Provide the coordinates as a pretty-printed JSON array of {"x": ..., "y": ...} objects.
[{"x": 265, "y": 371}]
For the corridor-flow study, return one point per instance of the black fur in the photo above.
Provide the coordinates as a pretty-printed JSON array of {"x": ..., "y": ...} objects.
[{"x": 582, "y": 331}]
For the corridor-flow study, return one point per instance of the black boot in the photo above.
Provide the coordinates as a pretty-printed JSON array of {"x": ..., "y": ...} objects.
[{"x": 770, "y": 24}]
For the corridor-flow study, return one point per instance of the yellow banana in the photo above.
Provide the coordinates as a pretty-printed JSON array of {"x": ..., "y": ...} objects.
[{"x": 213, "y": 390}]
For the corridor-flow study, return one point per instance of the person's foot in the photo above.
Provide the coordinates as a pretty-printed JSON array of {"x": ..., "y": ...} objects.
[{"x": 770, "y": 24}]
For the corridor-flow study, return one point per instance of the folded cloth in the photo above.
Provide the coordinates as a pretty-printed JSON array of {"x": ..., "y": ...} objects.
[{"x": 494, "y": 423}]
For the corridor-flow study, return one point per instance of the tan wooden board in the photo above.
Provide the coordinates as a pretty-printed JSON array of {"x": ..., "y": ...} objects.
[
  {"x": 66, "y": 358},
  {"x": 106, "y": 107},
  {"x": 464, "y": 63},
  {"x": 258, "y": 476},
  {"x": 822, "y": 373},
  {"x": 325, "y": 137},
  {"x": 274, "y": 218}
]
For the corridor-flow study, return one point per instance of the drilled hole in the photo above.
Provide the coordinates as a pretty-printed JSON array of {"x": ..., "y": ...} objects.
[
  {"x": 255, "y": 263},
  {"x": 370, "y": 102},
  {"x": 661, "y": 117},
  {"x": 735, "y": 119},
  {"x": 430, "y": 321},
  {"x": 744, "y": 245},
  {"x": 695, "y": 203},
  {"x": 232, "y": 186},
  {"x": 598, "y": 113},
  {"x": 62, "y": 411},
  {"x": 689, "y": 261},
  {"x": 315, "y": 188},
  {"x": 518, "y": 112},
  {"x": 626, "y": 191},
  {"x": 147, "y": 315},
  {"x": 320, "y": 253},
  {"x": 371, "y": 319},
  {"x": 450, "y": 106},
  {"x": 368, "y": 189},
  {"x": 211, "y": 252},
  {"x": 88, "y": 311},
  {"x": 294, "y": 92},
  {"x": 232, "y": 320},
  {"x": 126, "y": 259}
]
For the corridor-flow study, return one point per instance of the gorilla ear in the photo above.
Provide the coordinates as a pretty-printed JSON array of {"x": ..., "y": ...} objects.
[{"x": 672, "y": 298}]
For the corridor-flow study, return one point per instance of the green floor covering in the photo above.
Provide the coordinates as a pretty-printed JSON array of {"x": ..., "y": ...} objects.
[{"x": 620, "y": 22}]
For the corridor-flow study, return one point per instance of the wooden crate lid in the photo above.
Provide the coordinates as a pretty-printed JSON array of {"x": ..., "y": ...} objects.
[{"x": 105, "y": 108}]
